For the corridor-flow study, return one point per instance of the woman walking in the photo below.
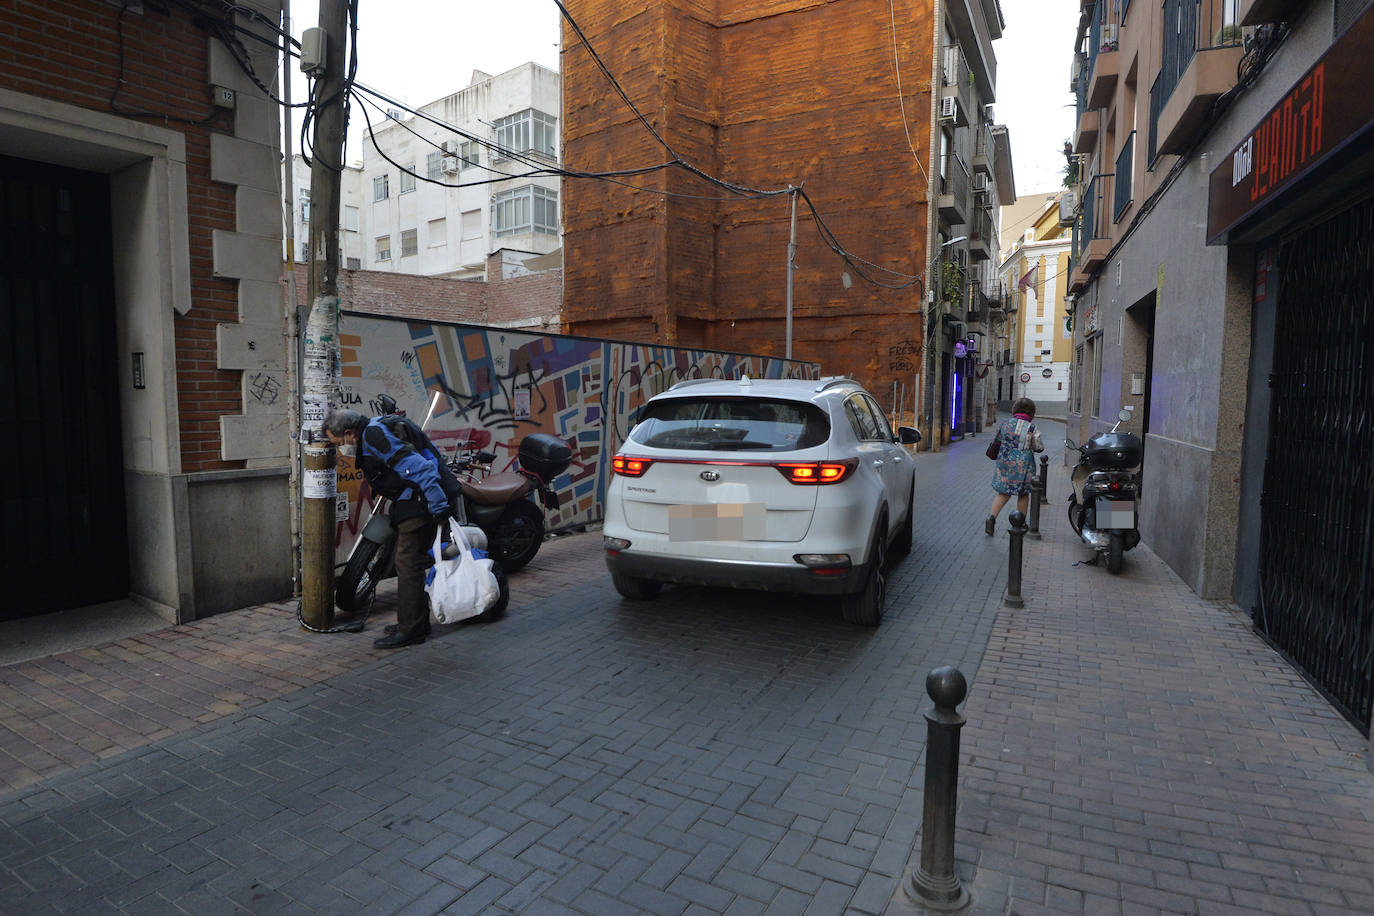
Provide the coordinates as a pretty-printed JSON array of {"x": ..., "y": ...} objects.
[{"x": 1015, "y": 461}]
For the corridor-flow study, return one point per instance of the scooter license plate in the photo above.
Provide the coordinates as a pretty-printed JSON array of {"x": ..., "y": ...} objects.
[{"x": 1116, "y": 513}]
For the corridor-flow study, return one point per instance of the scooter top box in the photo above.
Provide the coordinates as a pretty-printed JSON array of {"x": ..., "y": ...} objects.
[
  {"x": 1114, "y": 451},
  {"x": 545, "y": 455}
]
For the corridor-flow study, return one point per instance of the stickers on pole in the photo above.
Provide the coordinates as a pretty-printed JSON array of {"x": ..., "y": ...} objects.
[
  {"x": 341, "y": 506},
  {"x": 317, "y": 484}
]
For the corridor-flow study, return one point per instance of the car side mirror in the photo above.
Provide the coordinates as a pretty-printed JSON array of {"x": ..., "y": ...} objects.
[{"x": 908, "y": 435}]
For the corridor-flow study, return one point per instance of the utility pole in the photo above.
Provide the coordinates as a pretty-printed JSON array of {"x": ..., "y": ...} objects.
[
  {"x": 791, "y": 266},
  {"x": 321, "y": 374}
]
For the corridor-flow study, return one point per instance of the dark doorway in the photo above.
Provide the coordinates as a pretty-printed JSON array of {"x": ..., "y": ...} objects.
[{"x": 64, "y": 543}]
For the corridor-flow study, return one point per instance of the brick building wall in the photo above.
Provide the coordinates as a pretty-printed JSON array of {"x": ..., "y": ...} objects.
[
  {"x": 71, "y": 53},
  {"x": 761, "y": 96},
  {"x": 521, "y": 302}
]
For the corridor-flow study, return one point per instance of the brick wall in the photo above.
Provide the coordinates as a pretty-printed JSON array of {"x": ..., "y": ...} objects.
[
  {"x": 516, "y": 302},
  {"x": 70, "y": 52},
  {"x": 762, "y": 95}
]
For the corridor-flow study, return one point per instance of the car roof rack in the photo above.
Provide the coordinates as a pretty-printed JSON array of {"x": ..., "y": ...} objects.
[{"x": 835, "y": 382}]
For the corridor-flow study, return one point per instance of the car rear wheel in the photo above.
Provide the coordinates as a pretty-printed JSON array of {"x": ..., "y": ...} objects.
[
  {"x": 635, "y": 589},
  {"x": 864, "y": 608}
]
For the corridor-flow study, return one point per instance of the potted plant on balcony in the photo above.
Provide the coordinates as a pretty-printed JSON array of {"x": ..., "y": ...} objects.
[{"x": 951, "y": 281}]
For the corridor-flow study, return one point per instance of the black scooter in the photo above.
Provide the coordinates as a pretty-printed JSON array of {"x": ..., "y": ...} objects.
[
  {"x": 1104, "y": 499},
  {"x": 510, "y": 525}
]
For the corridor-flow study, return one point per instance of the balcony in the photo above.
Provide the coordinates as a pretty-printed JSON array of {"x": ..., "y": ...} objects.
[
  {"x": 982, "y": 234},
  {"x": 1104, "y": 58},
  {"x": 1094, "y": 240},
  {"x": 1258, "y": 12},
  {"x": 1200, "y": 57},
  {"x": 953, "y": 199},
  {"x": 956, "y": 84},
  {"x": 983, "y": 150},
  {"x": 1085, "y": 138}
]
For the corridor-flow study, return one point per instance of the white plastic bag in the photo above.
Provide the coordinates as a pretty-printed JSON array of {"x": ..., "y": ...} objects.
[{"x": 462, "y": 587}]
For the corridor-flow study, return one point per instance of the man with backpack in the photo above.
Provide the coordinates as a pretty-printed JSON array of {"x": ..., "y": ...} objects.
[{"x": 401, "y": 463}]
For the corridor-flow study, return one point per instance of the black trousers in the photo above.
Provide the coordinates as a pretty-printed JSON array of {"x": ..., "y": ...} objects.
[{"x": 414, "y": 539}]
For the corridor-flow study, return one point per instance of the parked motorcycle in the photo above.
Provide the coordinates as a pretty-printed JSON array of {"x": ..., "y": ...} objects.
[
  {"x": 1104, "y": 498},
  {"x": 495, "y": 510}
]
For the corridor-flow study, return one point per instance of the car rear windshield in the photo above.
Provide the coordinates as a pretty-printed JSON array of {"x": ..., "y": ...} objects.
[{"x": 730, "y": 424}]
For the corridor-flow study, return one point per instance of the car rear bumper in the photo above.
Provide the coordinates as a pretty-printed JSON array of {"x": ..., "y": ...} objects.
[{"x": 769, "y": 577}]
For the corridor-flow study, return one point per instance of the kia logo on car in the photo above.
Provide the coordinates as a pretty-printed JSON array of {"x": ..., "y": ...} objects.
[{"x": 709, "y": 476}]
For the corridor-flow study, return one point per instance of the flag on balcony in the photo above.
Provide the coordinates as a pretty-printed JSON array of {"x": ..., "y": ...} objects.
[{"x": 1028, "y": 279}]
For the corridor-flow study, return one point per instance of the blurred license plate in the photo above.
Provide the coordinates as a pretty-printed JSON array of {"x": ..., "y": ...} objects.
[
  {"x": 716, "y": 522},
  {"x": 1116, "y": 513}
]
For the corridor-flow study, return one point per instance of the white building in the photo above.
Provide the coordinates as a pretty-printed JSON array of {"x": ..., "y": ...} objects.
[{"x": 432, "y": 197}]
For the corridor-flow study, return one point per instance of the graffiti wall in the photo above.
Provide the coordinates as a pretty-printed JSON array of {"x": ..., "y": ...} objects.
[{"x": 486, "y": 388}]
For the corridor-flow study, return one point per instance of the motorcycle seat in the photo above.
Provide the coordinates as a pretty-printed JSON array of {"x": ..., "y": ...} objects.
[{"x": 498, "y": 489}]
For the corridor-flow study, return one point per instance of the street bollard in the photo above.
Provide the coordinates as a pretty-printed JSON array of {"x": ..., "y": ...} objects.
[
  {"x": 934, "y": 882},
  {"x": 1018, "y": 533},
  {"x": 1033, "y": 505},
  {"x": 1044, "y": 479}
]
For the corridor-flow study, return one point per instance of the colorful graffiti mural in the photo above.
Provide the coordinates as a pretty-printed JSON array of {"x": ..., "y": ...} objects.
[{"x": 495, "y": 387}]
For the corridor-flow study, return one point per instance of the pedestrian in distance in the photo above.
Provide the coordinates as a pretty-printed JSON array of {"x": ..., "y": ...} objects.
[
  {"x": 1015, "y": 461},
  {"x": 400, "y": 463}
]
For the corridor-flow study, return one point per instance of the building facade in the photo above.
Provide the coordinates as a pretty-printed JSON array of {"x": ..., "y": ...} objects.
[
  {"x": 431, "y": 196},
  {"x": 1039, "y": 338},
  {"x": 766, "y": 100},
  {"x": 1221, "y": 274},
  {"x": 144, "y": 318}
]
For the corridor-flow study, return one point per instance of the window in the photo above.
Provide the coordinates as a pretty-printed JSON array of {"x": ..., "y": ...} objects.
[
  {"x": 527, "y": 209},
  {"x": 381, "y": 188},
  {"x": 408, "y": 181},
  {"x": 880, "y": 418},
  {"x": 305, "y": 205},
  {"x": 527, "y": 131},
  {"x": 410, "y": 243},
  {"x": 305, "y": 252},
  {"x": 438, "y": 233},
  {"x": 469, "y": 154},
  {"x": 1076, "y": 381},
  {"x": 861, "y": 418},
  {"x": 433, "y": 167},
  {"x": 729, "y": 424},
  {"x": 350, "y": 219},
  {"x": 1095, "y": 387},
  {"x": 384, "y": 248},
  {"x": 472, "y": 225},
  {"x": 355, "y": 263}
]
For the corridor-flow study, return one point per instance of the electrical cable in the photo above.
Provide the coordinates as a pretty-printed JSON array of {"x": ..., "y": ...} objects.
[
  {"x": 897, "y": 71},
  {"x": 113, "y": 102}
]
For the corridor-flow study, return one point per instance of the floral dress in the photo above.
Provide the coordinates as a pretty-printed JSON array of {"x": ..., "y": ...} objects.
[{"x": 1016, "y": 460}]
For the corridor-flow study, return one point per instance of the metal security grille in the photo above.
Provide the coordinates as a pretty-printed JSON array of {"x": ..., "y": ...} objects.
[{"x": 1317, "y": 526}]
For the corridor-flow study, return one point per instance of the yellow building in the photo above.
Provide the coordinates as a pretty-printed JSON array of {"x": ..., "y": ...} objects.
[{"x": 1034, "y": 346}]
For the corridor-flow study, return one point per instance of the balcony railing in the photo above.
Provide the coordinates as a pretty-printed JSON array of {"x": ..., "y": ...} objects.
[
  {"x": 1096, "y": 200},
  {"x": 1191, "y": 26},
  {"x": 1125, "y": 167},
  {"x": 954, "y": 186},
  {"x": 982, "y": 232}
]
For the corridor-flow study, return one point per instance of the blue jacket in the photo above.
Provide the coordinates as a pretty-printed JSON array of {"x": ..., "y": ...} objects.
[{"x": 414, "y": 481}]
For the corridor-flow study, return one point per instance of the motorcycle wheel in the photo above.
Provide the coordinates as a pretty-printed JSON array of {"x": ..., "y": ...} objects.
[
  {"x": 517, "y": 535},
  {"x": 1115, "y": 547},
  {"x": 368, "y": 566}
]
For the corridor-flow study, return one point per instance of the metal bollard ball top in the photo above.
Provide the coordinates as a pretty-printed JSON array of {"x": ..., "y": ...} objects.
[
  {"x": 1017, "y": 520},
  {"x": 948, "y": 688}
]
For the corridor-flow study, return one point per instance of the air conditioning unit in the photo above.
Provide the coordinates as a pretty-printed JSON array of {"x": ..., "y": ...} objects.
[
  {"x": 449, "y": 165},
  {"x": 980, "y": 181},
  {"x": 948, "y": 108},
  {"x": 447, "y": 146},
  {"x": 987, "y": 113},
  {"x": 1068, "y": 208}
]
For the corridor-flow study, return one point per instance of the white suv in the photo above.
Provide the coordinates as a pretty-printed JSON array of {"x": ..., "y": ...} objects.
[{"x": 778, "y": 484}]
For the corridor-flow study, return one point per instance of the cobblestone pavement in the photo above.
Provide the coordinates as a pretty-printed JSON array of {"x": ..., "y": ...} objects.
[{"x": 1129, "y": 749}]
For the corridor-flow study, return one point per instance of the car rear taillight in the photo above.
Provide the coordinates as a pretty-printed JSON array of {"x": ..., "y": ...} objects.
[
  {"x": 630, "y": 467},
  {"x": 817, "y": 472},
  {"x": 825, "y": 564}
]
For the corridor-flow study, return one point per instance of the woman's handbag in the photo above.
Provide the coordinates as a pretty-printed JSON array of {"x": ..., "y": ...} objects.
[
  {"x": 995, "y": 446},
  {"x": 463, "y": 586}
]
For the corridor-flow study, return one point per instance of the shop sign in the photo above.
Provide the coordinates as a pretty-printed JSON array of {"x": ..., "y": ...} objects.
[{"x": 1329, "y": 106}]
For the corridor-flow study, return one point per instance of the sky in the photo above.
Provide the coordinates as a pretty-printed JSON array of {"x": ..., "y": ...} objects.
[{"x": 421, "y": 50}]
